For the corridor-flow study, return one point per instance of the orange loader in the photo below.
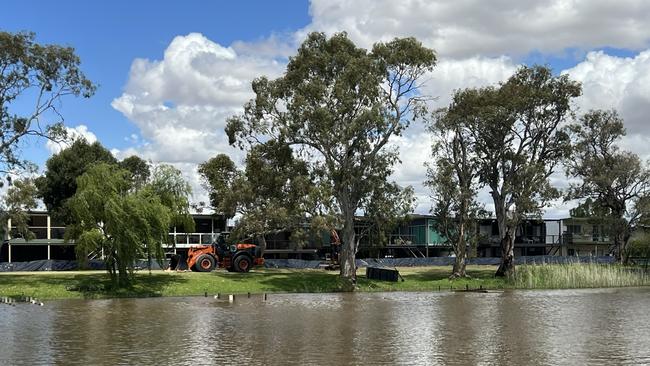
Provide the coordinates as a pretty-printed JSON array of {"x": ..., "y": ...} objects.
[{"x": 234, "y": 258}]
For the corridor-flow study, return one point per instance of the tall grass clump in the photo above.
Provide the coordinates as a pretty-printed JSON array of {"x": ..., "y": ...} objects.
[{"x": 579, "y": 275}]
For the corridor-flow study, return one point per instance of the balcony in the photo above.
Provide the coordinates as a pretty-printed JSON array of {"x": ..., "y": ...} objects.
[{"x": 186, "y": 240}]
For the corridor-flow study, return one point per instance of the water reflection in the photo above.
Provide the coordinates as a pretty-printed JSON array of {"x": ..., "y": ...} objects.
[{"x": 516, "y": 327}]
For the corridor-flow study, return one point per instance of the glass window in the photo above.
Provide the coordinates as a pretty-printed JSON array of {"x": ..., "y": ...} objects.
[
  {"x": 38, "y": 220},
  {"x": 574, "y": 229}
]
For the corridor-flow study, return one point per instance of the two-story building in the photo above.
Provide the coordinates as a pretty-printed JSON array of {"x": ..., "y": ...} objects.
[
  {"x": 583, "y": 236},
  {"x": 47, "y": 242},
  {"x": 532, "y": 237}
]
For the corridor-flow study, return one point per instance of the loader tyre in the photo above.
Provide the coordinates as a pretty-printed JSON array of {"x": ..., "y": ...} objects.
[
  {"x": 243, "y": 263},
  {"x": 205, "y": 263}
]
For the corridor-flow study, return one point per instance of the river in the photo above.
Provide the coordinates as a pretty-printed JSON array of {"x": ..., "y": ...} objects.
[{"x": 581, "y": 327}]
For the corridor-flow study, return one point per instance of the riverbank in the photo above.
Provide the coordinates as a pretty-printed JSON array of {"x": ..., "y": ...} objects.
[{"x": 95, "y": 284}]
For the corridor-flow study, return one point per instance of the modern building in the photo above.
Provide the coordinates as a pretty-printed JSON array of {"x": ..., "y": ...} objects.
[
  {"x": 532, "y": 237},
  {"x": 47, "y": 243},
  {"x": 415, "y": 237},
  {"x": 583, "y": 236}
]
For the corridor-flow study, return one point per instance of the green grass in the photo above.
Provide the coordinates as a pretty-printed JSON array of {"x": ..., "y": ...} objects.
[
  {"x": 577, "y": 275},
  {"x": 95, "y": 284}
]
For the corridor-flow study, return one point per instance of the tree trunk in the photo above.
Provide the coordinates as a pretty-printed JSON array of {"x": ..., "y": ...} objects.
[
  {"x": 261, "y": 242},
  {"x": 623, "y": 253},
  {"x": 506, "y": 234},
  {"x": 348, "y": 248},
  {"x": 461, "y": 253},
  {"x": 507, "y": 266}
]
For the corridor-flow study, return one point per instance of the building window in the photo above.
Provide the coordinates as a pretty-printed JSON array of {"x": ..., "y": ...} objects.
[{"x": 574, "y": 229}]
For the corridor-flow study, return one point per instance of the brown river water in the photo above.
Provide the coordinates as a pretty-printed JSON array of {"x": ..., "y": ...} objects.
[{"x": 580, "y": 327}]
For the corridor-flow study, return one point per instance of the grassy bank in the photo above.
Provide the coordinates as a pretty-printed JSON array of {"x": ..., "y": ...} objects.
[
  {"x": 65, "y": 285},
  {"x": 94, "y": 284}
]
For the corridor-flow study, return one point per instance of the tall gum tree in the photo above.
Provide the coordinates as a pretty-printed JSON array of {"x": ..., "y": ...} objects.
[
  {"x": 615, "y": 182},
  {"x": 516, "y": 133},
  {"x": 42, "y": 75},
  {"x": 454, "y": 181},
  {"x": 338, "y": 106}
]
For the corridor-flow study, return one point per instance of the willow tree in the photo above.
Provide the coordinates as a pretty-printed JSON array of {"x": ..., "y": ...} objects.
[
  {"x": 518, "y": 140},
  {"x": 615, "y": 182},
  {"x": 40, "y": 77},
  {"x": 118, "y": 221},
  {"x": 337, "y": 106}
]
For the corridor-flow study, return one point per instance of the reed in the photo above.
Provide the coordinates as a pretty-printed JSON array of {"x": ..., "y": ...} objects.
[{"x": 578, "y": 275}]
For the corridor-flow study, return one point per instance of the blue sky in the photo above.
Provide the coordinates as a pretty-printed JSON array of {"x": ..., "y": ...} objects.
[
  {"x": 108, "y": 36},
  {"x": 193, "y": 62}
]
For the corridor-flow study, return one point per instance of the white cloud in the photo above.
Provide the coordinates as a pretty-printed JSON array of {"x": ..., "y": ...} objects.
[
  {"x": 620, "y": 83},
  {"x": 181, "y": 102},
  {"x": 464, "y": 28},
  {"x": 74, "y": 133},
  {"x": 451, "y": 75}
]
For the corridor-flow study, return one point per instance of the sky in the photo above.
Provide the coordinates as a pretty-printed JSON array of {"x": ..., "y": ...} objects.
[{"x": 170, "y": 73}]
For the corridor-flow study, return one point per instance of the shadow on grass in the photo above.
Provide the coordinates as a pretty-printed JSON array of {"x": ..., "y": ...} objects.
[{"x": 88, "y": 285}]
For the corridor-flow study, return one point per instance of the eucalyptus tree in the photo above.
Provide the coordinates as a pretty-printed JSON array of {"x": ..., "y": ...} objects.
[
  {"x": 139, "y": 169},
  {"x": 454, "y": 180},
  {"x": 273, "y": 192},
  {"x": 59, "y": 181},
  {"x": 40, "y": 76},
  {"x": 337, "y": 106},
  {"x": 615, "y": 182},
  {"x": 517, "y": 137}
]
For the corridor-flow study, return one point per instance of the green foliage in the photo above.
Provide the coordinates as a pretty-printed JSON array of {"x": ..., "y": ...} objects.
[
  {"x": 138, "y": 168},
  {"x": 59, "y": 182},
  {"x": 640, "y": 244},
  {"x": 44, "y": 73},
  {"x": 18, "y": 201},
  {"x": 167, "y": 183},
  {"x": 454, "y": 181},
  {"x": 615, "y": 182},
  {"x": 272, "y": 193},
  {"x": 337, "y": 106},
  {"x": 218, "y": 175},
  {"x": 514, "y": 130},
  {"x": 121, "y": 223}
]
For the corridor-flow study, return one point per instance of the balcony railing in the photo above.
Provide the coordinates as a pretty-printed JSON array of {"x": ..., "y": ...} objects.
[
  {"x": 184, "y": 240},
  {"x": 532, "y": 240}
]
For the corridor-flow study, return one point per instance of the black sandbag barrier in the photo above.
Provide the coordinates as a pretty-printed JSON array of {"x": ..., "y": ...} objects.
[
  {"x": 438, "y": 261},
  {"x": 60, "y": 265},
  {"x": 291, "y": 263}
]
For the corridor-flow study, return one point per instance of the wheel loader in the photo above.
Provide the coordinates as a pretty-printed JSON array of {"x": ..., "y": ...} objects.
[{"x": 234, "y": 258}]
